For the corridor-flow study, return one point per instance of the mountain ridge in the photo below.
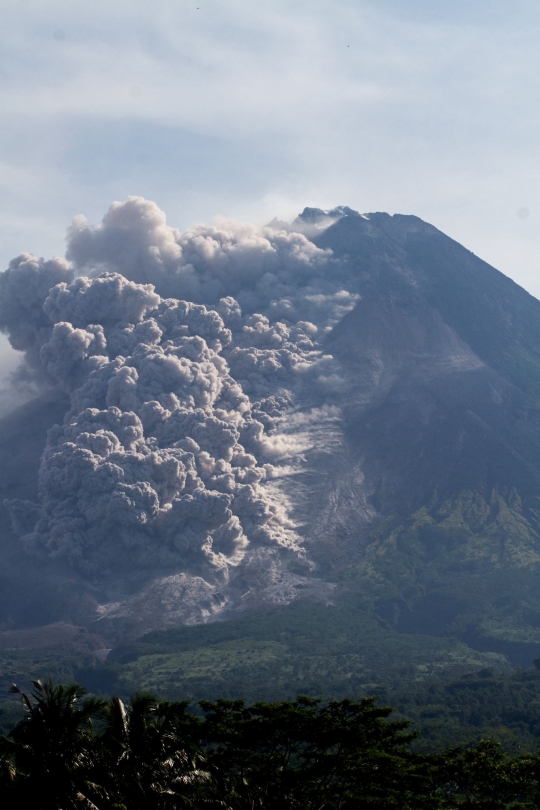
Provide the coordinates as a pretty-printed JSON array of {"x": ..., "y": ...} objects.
[{"x": 425, "y": 490}]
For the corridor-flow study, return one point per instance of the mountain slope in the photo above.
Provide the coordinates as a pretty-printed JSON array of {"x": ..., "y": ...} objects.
[
  {"x": 442, "y": 418},
  {"x": 420, "y": 491},
  {"x": 496, "y": 317}
]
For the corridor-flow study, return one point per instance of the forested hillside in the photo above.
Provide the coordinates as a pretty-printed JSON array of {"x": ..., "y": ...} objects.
[{"x": 70, "y": 750}]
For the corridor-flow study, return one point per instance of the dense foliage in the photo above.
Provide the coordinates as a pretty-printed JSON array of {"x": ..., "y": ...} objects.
[
  {"x": 455, "y": 695},
  {"x": 74, "y": 751},
  {"x": 331, "y": 652},
  {"x": 482, "y": 704}
]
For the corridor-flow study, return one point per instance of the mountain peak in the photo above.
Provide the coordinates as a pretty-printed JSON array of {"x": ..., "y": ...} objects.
[
  {"x": 405, "y": 454},
  {"x": 317, "y": 216}
]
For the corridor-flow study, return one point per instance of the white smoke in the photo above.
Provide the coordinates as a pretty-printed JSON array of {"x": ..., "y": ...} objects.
[{"x": 173, "y": 436}]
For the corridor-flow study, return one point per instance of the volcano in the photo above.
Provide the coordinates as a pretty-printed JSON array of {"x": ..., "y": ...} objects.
[{"x": 416, "y": 490}]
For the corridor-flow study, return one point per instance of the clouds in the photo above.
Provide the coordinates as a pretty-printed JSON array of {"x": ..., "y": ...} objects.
[
  {"x": 256, "y": 111},
  {"x": 24, "y": 286},
  {"x": 147, "y": 475},
  {"x": 166, "y": 456},
  {"x": 206, "y": 263},
  {"x": 274, "y": 272},
  {"x": 71, "y": 354},
  {"x": 106, "y": 301},
  {"x": 111, "y": 501},
  {"x": 133, "y": 235}
]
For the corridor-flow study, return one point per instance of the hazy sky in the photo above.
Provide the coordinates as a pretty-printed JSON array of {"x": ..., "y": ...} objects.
[{"x": 255, "y": 108}]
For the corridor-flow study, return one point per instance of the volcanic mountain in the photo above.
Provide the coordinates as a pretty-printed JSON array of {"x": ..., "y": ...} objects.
[{"x": 415, "y": 490}]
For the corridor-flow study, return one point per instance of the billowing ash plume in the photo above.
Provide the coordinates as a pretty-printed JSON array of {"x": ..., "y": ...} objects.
[
  {"x": 165, "y": 457},
  {"x": 277, "y": 272},
  {"x": 24, "y": 286}
]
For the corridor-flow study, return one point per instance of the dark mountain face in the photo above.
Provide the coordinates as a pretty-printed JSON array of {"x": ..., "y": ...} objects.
[
  {"x": 442, "y": 417},
  {"x": 401, "y": 255},
  {"x": 428, "y": 505},
  {"x": 435, "y": 405},
  {"x": 31, "y": 592}
]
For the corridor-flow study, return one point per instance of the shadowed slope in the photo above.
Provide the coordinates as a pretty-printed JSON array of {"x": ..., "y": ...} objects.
[
  {"x": 427, "y": 498},
  {"x": 31, "y": 593},
  {"x": 442, "y": 357}
]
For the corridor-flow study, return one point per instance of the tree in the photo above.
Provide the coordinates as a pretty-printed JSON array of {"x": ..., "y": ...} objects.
[
  {"x": 483, "y": 778},
  {"x": 49, "y": 757},
  {"x": 150, "y": 749},
  {"x": 301, "y": 754}
]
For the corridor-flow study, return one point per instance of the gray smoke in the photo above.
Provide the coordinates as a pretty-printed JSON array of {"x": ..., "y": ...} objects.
[
  {"x": 271, "y": 270},
  {"x": 167, "y": 456},
  {"x": 24, "y": 286}
]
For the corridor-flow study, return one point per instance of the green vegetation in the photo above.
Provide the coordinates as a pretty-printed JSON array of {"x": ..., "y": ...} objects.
[
  {"x": 464, "y": 710},
  {"x": 431, "y": 603},
  {"x": 333, "y": 652},
  {"x": 466, "y": 568},
  {"x": 330, "y": 652},
  {"x": 454, "y": 694},
  {"x": 71, "y": 751}
]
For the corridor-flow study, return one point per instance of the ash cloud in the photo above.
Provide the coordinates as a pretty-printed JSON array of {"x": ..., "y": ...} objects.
[
  {"x": 182, "y": 354},
  {"x": 273, "y": 270},
  {"x": 24, "y": 286}
]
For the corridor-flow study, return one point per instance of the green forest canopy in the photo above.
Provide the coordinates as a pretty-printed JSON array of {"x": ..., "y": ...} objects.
[{"x": 71, "y": 750}]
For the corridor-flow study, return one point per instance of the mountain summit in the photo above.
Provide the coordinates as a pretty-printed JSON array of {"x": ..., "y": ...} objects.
[
  {"x": 442, "y": 355},
  {"x": 361, "y": 422}
]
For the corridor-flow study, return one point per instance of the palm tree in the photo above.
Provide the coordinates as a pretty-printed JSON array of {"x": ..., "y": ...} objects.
[
  {"x": 152, "y": 750},
  {"x": 50, "y": 754}
]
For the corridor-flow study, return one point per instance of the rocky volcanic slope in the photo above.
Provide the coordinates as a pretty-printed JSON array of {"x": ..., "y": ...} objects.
[
  {"x": 418, "y": 488},
  {"x": 442, "y": 354}
]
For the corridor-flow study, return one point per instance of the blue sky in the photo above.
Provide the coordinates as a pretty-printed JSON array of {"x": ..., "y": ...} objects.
[{"x": 252, "y": 109}]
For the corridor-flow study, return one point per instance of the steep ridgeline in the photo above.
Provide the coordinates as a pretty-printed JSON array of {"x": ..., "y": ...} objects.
[
  {"x": 374, "y": 393},
  {"x": 442, "y": 360}
]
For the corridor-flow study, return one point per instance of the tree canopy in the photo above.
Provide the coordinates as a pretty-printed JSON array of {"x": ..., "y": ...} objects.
[{"x": 72, "y": 750}]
